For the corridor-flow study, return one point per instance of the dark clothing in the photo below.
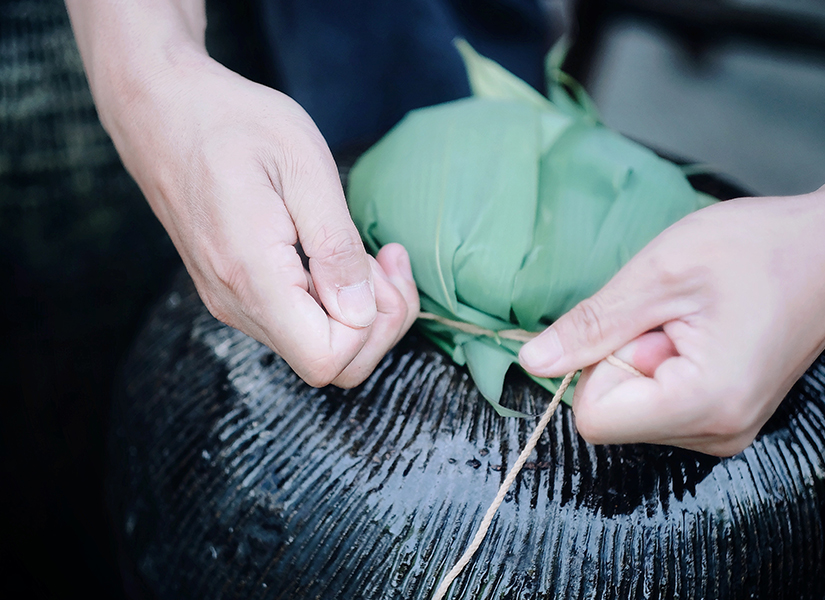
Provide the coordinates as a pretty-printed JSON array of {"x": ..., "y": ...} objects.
[{"x": 357, "y": 66}]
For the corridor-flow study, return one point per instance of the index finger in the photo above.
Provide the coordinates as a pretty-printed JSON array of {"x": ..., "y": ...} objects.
[
  {"x": 275, "y": 298},
  {"x": 308, "y": 182},
  {"x": 615, "y": 407}
]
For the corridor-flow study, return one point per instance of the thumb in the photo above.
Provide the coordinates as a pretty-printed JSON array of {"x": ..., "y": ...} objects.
[
  {"x": 342, "y": 276},
  {"x": 631, "y": 304},
  {"x": 338, "y": 264}
]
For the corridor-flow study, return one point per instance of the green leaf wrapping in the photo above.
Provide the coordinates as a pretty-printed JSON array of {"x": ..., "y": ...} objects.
[{"x": 513, "y": 208}]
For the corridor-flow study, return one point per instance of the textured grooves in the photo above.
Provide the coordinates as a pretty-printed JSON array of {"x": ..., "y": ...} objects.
[{"x": 232, "y": 479}]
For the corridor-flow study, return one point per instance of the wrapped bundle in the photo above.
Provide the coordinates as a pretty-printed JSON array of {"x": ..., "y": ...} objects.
[{"x": 514, "y": 207}]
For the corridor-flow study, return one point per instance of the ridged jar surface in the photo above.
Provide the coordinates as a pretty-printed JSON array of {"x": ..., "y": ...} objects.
[{"x": 231, "y": 478}]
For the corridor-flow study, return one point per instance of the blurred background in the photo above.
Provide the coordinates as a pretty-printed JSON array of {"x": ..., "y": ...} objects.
[{"x": 735, "y": 84}]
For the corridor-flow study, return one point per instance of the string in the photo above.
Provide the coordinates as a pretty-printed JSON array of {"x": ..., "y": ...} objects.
[
  {"x": 519, "y": 335},
  {"x": 481, "y": 533},
  {"x": 502, "y": 491},
  {"x": 618, "y": 362}
]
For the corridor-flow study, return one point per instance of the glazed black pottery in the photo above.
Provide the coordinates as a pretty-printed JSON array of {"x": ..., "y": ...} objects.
[{"x": 231, "y": 478}]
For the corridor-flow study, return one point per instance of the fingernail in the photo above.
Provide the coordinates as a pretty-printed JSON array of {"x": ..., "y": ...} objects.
[
  {"x": 403, "y": 263},
  {"x": 357, "y": 304},
  {"x": 542, "y": 352}
]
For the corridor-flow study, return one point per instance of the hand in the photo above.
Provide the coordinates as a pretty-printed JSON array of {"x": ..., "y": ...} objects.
[
  {"x": 238, "y": 174},
  {"x": 722, "y": 312}
]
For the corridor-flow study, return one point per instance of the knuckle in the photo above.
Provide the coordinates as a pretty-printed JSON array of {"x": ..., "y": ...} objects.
[
  {"x": 317, "y": 371},
  {"x": 586, "y": 319},
  {"x": 230, "y": 296},
  {"x": 338, "y": 246},
  {"x": 316, "y": 378},
  {"x": 665, "y": 268},
  {"x": 293, "y": 170},
  {"x": 214, "y": 302},
  {"x": 295, "y": 120},
  {"x": 230, "y": 274},
  {"x": 678, "y": 272}
]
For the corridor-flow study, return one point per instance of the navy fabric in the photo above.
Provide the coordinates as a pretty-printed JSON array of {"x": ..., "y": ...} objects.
[{"x": 357, "y": 66}]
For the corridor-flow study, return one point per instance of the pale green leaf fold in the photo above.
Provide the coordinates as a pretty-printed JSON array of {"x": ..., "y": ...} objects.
[
  {"x": 513, "y": 208},
  {"x": 488, "y": 79}
]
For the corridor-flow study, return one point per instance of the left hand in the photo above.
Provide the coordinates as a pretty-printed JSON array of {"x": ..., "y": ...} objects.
[{"x": 722, "y": 312}]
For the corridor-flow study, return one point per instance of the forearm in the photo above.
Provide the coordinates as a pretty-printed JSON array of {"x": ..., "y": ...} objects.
[
  {"x": 125, "y": 43},
  {"x": 238, "y": 173}
]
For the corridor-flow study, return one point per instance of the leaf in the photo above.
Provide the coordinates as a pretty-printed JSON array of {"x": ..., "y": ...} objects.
[
  {"x": 513, "y": 208},
  {"x": 488, "y": 365},
  {"x": 440, "y": 200},
  {"x": 488, "y": 79}
]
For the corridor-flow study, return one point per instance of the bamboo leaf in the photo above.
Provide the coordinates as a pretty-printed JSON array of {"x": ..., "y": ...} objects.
[
  {"x": 513, "y": 208},
  {"x": 488, "y": 365},
  {"x": 488, "y": 79}
]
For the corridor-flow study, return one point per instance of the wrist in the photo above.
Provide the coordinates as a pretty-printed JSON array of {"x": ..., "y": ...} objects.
[
  {"x": 129, "y": 48},
  {"x": 128, "y": 89}
]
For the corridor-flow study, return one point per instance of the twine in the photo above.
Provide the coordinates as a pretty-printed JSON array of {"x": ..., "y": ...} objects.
[
  {"x": 521, "y": 336},
  {"x": 618, "y": 362},
  {"x": 502, "y": 491}
]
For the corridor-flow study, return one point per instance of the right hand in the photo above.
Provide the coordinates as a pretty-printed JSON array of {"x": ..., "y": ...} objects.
[
  {"x": 722, "y": 313},
  {"x": 239, "y": 174}
]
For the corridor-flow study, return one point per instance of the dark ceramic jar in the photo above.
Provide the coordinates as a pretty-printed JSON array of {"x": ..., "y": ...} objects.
[{"x": 231, "y": 478}]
